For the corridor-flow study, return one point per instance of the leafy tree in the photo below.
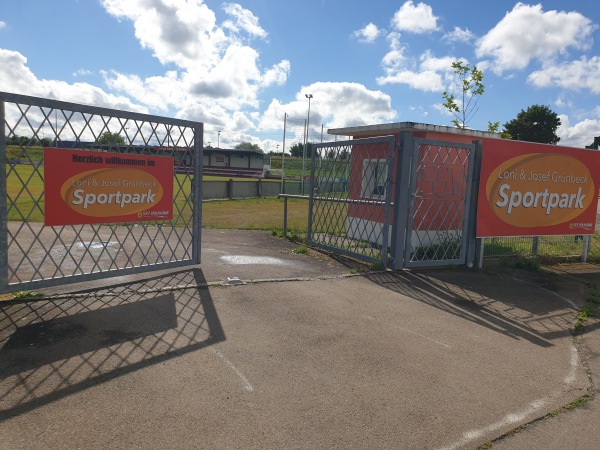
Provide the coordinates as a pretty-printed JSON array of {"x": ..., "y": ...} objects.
[
  {"x": 297, "y": 150},
  {"x": 494, "y": 127},
  {"x": 536, "y": 124},
  {"x": 468, "y": 84},
  {"x": 248, "y": 146},
  {"x": 108, "y": 138},
  {"x": 25, "y": 141}
]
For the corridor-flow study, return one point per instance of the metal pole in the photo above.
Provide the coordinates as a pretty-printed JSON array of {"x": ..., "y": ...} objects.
[
  {"x": 309, "y": 97},
  {"x": 197, "y": 190},
  {"x": 535, "y": 245},
  {"x": 283, "y": 154},
  {"x": 285, "y": 216},
  {"x": 3, "y": 203},
  {"x": 585, "y": 247},
  {"x": 303, "y": 161}
]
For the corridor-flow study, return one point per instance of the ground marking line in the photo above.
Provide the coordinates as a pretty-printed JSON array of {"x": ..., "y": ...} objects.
[
  {"x": 534, "y": 406},
  {"x": 247, "y": 386},
  {"x": 409, "y": 331}
]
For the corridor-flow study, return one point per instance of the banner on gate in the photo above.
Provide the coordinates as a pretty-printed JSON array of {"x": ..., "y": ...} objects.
[
  {"x": 534, "y": 190},
  {"x": 85, "y": 187}
]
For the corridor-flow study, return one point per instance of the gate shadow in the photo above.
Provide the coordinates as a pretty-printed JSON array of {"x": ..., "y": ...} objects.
[
  {"x": 516, "y": 309},
  {"x": 50, "y": 349}
]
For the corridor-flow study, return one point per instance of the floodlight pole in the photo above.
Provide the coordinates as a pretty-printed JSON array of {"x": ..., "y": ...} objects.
[{"x": 309, "y": 97}]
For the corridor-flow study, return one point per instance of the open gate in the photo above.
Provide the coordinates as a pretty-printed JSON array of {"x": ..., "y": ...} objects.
[
  {"x": 350, "y": 197},
  {"x": 33, "y": 255},
  {"x": 397, "y": 199}
]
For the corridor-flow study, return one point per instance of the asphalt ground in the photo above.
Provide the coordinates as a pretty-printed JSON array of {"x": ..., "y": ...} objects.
[{"x": 306, "y": 352}]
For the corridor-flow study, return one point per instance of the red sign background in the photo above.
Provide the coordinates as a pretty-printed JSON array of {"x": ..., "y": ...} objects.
[
  {"x": 534, "y": 190},
  {"x": 84, "y": 187}
]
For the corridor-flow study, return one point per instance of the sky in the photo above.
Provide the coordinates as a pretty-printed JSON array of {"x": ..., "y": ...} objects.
[{"x": 246, "y": 68}]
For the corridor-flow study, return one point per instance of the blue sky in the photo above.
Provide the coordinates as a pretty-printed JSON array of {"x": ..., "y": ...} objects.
[{"x": 239, "y": 67}]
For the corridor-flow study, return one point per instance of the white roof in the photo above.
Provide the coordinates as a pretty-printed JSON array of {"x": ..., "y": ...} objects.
[{"x": 385, "y": 129}]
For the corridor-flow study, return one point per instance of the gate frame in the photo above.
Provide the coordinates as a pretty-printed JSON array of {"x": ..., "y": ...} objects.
[
  {"x": 402, "y": 228},
  {"x": 412, "y": 187},
  {"x": 196, "y": 191},
  {"x": 387, "y": 202}
]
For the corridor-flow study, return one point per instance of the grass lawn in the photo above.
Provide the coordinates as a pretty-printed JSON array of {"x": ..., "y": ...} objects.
[{"x": 254, "y": 213}]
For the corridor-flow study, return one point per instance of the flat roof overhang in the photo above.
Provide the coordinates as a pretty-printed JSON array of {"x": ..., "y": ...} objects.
[{"x": 386, "y": 129}]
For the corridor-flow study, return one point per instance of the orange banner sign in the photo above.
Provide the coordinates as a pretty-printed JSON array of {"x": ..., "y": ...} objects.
[
  {"x": 83, "y": 187},
  {"x": 533, "y": 190}
]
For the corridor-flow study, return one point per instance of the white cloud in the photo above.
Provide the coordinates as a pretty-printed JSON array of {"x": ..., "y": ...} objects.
[
  {"x": 368, "y": 34},
  {"x": 16, "y": 77},
  {"x": 459, "y": 35},
  {"x": 579, "y": 135},
  {"x": 574, "y": 75},
  {"x": 428, "y": 76},
  {"x": 560, "y": 102},
  {"x": 212, "y": 60},
  {"x": 527, "y": 32},
  {"x": 334, "y": 105},
  {"x": 243, "y": 20},
  {"x": 82, "y": 73},
  {"x": 2, "y": 24},
  {"x": 415, "y": 19}
]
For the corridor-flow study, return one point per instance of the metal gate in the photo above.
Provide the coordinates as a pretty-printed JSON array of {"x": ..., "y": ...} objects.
[
  {"x": 33, "y": 255},
  {"x": 440, "y": 188},
  {"x": 350, "y": 197}
]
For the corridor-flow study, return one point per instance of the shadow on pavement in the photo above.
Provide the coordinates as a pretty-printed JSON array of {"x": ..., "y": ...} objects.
[
  {"x": 50, "y": 349},
  {"x": 517, "y": 309}
]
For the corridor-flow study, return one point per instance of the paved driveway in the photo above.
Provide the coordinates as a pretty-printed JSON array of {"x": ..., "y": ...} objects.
[{"x": 429, "y": 359}]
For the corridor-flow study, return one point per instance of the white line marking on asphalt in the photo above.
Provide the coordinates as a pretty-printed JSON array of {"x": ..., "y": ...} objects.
[
  {"x": 571, "y": 377},
  {"x": 409, "y": 331},
  {"x": 247, "y": 386},
  {"x": 569, "y": 301},
  {"x": 506, "y": 421},
  {"x": 252, "y": 260},
  {"x": 511, "y": 419}
]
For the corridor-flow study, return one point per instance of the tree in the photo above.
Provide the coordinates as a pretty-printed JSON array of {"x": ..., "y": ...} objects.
[
  {"x": 537, "y": 124},
  {"x": 297, "y": 150},
  {"x": 108, "y": 138},
  {"x": 468, "y": 84},
  {"x": 248, "y": 146},
  {"x": 494, "y": 127}
]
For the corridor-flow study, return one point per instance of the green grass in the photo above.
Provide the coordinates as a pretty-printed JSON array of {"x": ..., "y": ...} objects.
[
  {"x": 262, "y": 214},
  {"x": 255, "y": 214}
]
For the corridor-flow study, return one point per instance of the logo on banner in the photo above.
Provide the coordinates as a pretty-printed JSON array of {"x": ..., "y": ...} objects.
[
  {"x": 111, "y": 192},
  {"x": 541, "y": 189}
]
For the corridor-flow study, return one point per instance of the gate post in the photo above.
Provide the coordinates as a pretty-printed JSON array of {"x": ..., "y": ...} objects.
[
  {"x": 3, "y": 203},
  {"x": 471, "y": 256},
  {"x": 197, "y": 192},
  {"x": 401, "y": 194}
]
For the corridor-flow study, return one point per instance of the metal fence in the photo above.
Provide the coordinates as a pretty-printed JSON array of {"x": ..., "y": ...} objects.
[
  {"x": 350, "y": 198},
  {"x": 581, "y": 247},
  {"x": 33, "y": 255}
]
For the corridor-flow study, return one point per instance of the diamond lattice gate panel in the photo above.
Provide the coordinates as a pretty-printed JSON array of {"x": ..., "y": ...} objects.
[
  {"x": 33, "y": 254},
  {"x": 350, "y": 197},
  {"x": 440, "y": 188}
]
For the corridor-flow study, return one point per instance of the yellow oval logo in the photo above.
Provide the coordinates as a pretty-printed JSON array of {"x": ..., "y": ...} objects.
[
  {"x": 111, "y": 192},
  {"x": 540, "y": 189}
]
